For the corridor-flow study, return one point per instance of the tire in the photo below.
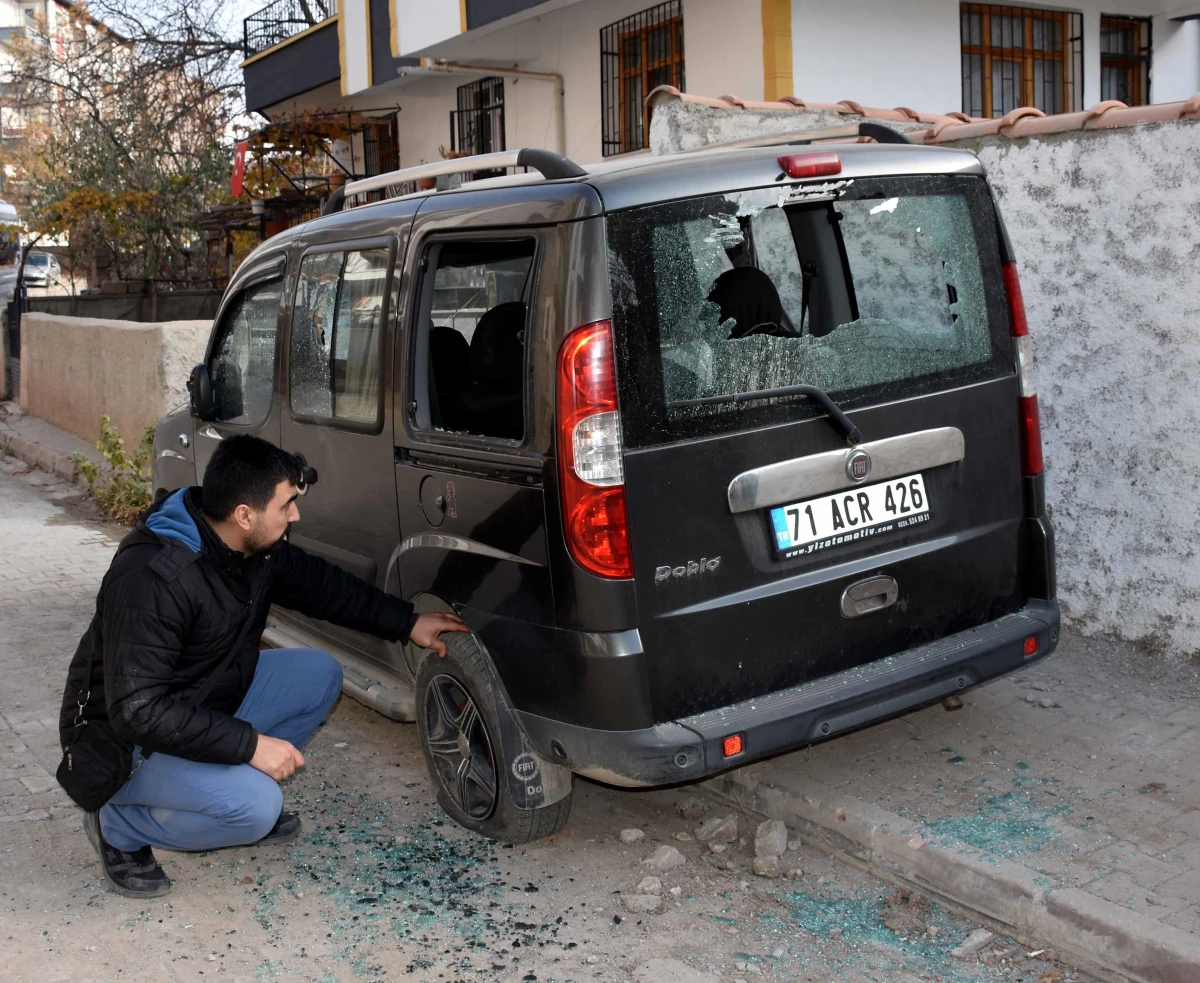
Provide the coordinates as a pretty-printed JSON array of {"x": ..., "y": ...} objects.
[{"x": 459, "y": 720}]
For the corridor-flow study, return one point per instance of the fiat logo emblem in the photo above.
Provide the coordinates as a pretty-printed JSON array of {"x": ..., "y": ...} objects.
[{"x": 858, "y": 465}]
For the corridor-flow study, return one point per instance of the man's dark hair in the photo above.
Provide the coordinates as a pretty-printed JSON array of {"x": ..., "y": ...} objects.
[{"x": 246, "y": 470}]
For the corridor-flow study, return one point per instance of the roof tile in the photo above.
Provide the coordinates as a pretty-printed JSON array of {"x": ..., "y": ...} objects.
[{"x": 951, "y": 127}]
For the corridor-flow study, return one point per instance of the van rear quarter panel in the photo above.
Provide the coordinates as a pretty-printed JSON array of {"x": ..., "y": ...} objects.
[{"x": 528, "y": 611}]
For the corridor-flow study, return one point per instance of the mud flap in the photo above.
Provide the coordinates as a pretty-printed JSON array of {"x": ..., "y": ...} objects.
[{"x": 533, "y": 782}]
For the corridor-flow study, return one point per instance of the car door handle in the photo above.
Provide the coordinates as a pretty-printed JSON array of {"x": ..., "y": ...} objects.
[{"x": 868, "y": 596}]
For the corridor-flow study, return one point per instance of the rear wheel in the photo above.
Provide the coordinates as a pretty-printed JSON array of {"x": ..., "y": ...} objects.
[{"x": 466, "y": 748}]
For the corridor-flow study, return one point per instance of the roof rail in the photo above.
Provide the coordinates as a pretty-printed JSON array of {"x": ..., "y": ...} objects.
[
  {"x": 549, "y": 164},
  {"x": 876, "y": 131}
]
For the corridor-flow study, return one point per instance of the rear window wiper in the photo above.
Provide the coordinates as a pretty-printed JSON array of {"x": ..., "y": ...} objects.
[{"x": 843, "y": 422}]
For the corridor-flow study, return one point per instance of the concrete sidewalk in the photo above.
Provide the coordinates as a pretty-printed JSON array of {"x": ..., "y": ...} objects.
[{"x": 1060, "y": 804}]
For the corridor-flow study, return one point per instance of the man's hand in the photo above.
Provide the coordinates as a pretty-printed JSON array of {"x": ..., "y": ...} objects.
[
  {"x": 276, "y": 758},
  {"x": 425, "y": 632}
]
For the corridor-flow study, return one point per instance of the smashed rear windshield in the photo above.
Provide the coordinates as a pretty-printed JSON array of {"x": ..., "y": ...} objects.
[{"x": 872, "y": 290}]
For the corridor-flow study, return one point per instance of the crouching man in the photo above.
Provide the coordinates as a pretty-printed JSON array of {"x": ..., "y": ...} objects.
[{"x": 213, "y": 724}]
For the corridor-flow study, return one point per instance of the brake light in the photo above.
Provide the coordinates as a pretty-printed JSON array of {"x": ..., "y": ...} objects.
[
  {"x": 733, "y": 745},
  {"x": 1031, "y": 428},
  {"x": 811, "y": 165},
  {"x": 590, "y": 466}
]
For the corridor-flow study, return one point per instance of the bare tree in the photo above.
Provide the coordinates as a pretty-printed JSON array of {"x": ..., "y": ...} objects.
[{"x": 128, "y": 115}]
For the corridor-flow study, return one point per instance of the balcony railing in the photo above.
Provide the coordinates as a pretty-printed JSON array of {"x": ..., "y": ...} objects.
[{"x": 281, "y": 20}]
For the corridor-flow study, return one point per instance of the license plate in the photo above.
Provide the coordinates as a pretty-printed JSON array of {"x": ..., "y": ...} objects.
[{"x": 850, "y": 516}]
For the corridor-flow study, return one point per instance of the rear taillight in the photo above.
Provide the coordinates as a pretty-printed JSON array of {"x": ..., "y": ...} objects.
[
  {"x": 590, "y": 466},
  {"x": 1031, "y": 429}
]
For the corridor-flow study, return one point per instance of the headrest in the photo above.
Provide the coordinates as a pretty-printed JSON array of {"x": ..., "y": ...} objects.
[
  {"x": 497, "y": 347},
  {"x": 748, "y": 295}
]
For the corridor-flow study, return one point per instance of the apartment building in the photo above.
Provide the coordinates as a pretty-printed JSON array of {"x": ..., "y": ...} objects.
[{"x": 434, "y": 76}]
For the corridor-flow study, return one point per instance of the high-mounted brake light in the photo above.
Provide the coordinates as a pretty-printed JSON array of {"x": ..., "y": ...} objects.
[
  {"x": 811, "y": 165},
  {"x": 590, "y": 465},
  {"x": 1027, "y": 408}
]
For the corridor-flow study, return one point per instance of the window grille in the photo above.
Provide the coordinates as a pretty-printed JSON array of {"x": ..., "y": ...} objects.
[
  {"x": 477, "y": 125},
  {"x": 1125, "y": 59},
  {"x": 1020, "y": 56},
  {"x": 381, "y": 152},
  {"x": 637, "y": 54}
]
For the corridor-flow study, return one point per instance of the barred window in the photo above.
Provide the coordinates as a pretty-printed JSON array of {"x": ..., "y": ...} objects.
[
  {"x": 637, "y": 55},
  {"x": 477, "y": 125},
  {"x": 1125, "y": 59},
  {"x": 1020, "y": 56}
]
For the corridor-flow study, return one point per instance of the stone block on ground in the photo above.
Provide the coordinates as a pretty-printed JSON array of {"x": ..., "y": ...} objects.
[
  {"x": 765, "y": 866},
  {"x": 771, "y": 839},
  {"x": 632, "y": 835},
  {"x": 975, "y": 943},
  {"x": 641, "y": 904},
  {"x": 719, "y": 829},
  {"x": 665, "y": 858}
]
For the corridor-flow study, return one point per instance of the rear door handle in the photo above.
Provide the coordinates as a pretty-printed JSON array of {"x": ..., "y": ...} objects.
[{"x": 868, "y": 596}]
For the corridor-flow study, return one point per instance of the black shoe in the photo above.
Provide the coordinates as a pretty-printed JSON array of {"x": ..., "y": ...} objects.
[
  {"x": 286, "y": 828},
  {"x": 135, "y": 875}
]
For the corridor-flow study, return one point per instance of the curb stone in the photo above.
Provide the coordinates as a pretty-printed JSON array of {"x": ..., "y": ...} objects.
[
  {"x": 37, "y": 456},
  {"x": 1097, "y": 936}
]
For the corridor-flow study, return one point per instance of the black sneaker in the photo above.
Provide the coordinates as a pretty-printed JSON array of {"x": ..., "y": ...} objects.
[
  {"x": 286, "y": 828},
  {"x": 135, "y": 875}
]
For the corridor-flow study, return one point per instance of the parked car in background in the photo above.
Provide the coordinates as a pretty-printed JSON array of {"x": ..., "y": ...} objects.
[
  {"x": 718, "y": 454},
  {"x": 10, "y": 249},
  {"x": 41, "y": 270}
]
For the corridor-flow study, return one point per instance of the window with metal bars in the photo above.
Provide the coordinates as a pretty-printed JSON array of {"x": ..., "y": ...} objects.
[
  {"x": 637, "y": 54},
  {"x": 1021, "y": 56},
  {"x": 1125, "y": 59},
  {"x": 381, "y": 152},
  {"x": 477, "y": 125}
]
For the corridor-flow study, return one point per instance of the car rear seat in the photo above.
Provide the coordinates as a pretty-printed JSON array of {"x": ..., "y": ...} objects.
[{"x": 493, "y": 402}]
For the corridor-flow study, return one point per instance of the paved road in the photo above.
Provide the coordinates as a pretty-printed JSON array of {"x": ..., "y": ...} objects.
[{"x": 382, "y": 886}]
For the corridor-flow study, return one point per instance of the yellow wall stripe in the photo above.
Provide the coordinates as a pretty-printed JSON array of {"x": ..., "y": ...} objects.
[
  {"x": 777, "y": 48},
  {"x": 462, "y": 16},
  {"x": 370, "y": 36},
  {"x": 342, "y": 52}
]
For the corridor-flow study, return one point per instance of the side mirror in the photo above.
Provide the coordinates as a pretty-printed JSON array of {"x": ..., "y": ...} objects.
[{"x": 201, "y": 393}]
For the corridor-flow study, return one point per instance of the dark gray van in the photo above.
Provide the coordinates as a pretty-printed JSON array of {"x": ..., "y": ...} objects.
[{"x": 718, "y": 454}]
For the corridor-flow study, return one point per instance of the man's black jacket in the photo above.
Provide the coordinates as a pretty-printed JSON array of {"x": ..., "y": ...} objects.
[{"x": 166, "y": 616}]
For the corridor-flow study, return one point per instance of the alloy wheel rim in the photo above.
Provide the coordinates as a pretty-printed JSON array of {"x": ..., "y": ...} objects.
[{"x": 458, "y": 741}]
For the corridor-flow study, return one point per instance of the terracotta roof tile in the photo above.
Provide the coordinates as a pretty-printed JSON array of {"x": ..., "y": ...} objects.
[{"x": 950, "y": 127}]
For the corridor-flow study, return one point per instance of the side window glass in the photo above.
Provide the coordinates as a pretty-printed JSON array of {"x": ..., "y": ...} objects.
[
  {"x": 243, "y": 360},
  {"x": 337, "y": 327},
  {"x": 476, "y": 316}
]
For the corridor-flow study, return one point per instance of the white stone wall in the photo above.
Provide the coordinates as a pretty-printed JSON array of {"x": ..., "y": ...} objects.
[{"x": 1106, "y": 228}]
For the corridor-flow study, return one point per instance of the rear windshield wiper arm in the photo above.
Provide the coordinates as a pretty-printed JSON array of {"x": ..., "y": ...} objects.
[{"x": 853, "y": 434}]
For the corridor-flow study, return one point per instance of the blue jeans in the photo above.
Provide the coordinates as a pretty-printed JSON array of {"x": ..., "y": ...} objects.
[{"x": 178, "y": 804}]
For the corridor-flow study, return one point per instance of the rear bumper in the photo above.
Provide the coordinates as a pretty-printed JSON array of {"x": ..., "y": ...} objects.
[{"x": 692, "y": 747}]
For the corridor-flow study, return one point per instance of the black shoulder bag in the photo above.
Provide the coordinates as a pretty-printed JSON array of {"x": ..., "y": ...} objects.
[{"x": 97, "y": 762}]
